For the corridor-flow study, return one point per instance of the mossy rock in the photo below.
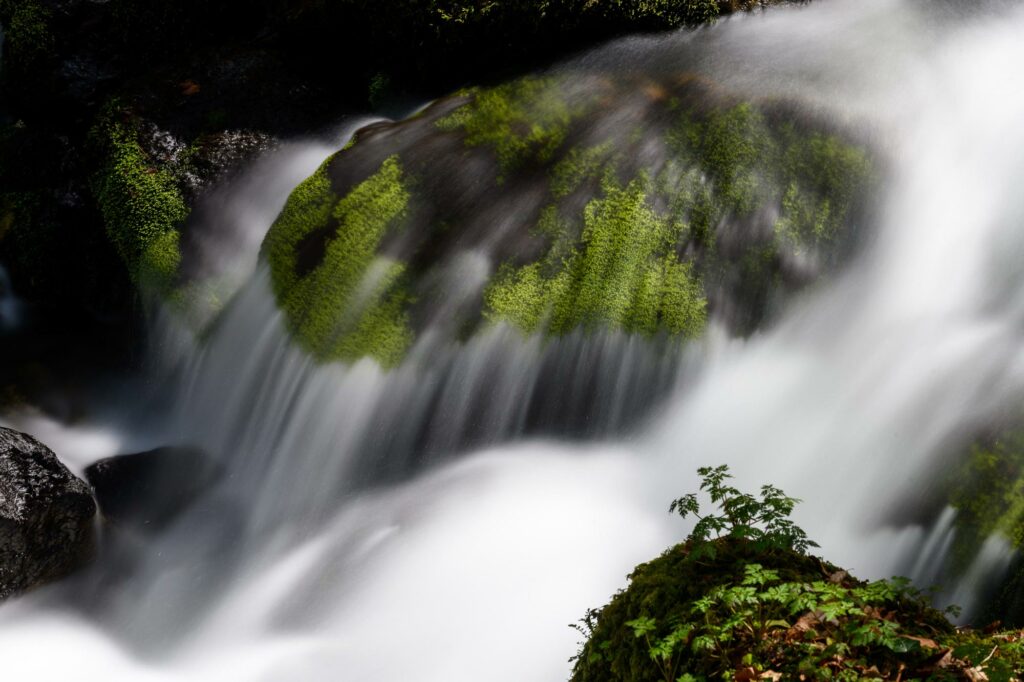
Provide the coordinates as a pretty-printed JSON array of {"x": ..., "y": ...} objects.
[
  {"x": 703, "y": 205},
  {"x": 741, "y": 613},
  {"x": 141, "y": 203}
]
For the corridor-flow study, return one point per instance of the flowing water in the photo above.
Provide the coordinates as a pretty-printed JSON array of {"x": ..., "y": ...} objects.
[{"x": 446, "y": 520}]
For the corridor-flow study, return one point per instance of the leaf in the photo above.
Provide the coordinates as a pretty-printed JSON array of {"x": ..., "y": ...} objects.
[
  {"x": 641, "y": 626},
  {"x": 838, "y": 577},
  {"x": 771, "y": 675},
  {"x": 976, "y": 674},
  {"x": 806, "y": 622},
  {"x": 923, "y": 641}
]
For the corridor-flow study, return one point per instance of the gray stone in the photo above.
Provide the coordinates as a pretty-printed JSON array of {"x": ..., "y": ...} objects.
[{"x": 46, "y": 515}]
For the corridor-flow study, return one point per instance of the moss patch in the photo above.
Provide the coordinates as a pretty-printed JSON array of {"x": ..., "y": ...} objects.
[
  {"x": 27, "y": 35},
  {"x": 624, "y": 275},
  {"x": 746, "y": 614},
  {"x": 749, "y": 162},
  {"x": 352, "y": 301},
  {"x": 526, "y": 119},
  {"x": 141, "y": 204}
]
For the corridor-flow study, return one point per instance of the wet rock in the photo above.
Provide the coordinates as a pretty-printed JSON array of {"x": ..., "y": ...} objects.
[
  {"x": 145, "y": 492},
  {"x": 46, "y": 515}
]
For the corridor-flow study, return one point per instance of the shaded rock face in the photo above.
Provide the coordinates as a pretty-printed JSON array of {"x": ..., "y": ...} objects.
[
  {"x": 145, "y": 492},
  {"x": 46, "y": 515}
]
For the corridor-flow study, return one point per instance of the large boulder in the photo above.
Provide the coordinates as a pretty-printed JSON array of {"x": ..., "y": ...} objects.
[
  {"x": 584, "y": 199},
  {"x": 46, "y": 515}
]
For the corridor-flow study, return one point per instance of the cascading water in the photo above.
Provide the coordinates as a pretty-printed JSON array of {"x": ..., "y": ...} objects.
[{"x": 347, "y": 541}]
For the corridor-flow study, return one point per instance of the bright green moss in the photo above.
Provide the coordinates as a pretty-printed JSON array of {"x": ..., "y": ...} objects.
[
  {"x": 158, "y": 266},
  {"x": 142, "y": 206},
  {"x": 350, "y": 302},
  {"x": 824, "y": 177},
  {"x": 739, "y": 163},
  {"x": 733, "y": 146},
  {"x": 525, "y": 119},
  {"x": 576, "y": 167},
  {"x": 624, "y": 274}
]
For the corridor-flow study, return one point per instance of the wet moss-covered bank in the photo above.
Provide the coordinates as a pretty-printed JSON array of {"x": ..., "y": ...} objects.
[{"x": 703, "y": 204}]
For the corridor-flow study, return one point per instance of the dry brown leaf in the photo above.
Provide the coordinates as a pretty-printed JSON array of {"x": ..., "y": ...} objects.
[
  {"x": 746, "y": 675},
  {"x": 946, "y": 660},
  {"x": 771, "y": 675},
  {"x": 806, "y": 622},
  {"x": 189, "y": 87},
  {"x": 923, "y": 641}
]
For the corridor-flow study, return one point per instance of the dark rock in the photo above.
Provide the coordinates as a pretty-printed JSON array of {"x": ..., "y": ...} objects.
[
  {"x": 46, "y": 515},
  {"x": 145, "y": 492}
]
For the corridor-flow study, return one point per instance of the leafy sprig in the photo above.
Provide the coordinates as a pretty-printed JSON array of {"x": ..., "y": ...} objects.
[{"x": 765, "y": 522}]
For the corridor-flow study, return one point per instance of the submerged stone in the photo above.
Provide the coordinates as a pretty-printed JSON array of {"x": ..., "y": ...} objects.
[
  {"x": 147, "y": 491},
  {"x": 46, "y": 515}
]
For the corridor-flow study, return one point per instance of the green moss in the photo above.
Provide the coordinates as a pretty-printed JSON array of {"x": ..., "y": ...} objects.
[
  {"x": 746, "y": 163},
  {"x": 576, "y": 167},
  {"x": 351, "y": 302},
  {"x": 823, "y": 177},
  {"x": 657, "y": 13},
  {"x": 158, "y": 266},
  {"x": 27, "y": 33},
  {"x": 730, "y": 610},
  {"x": 141, "y": 204},
  {"x": 624, "y": 274},
  {"x": 988, "y": 492},
  {"x": 622, "y": 268},
  {"x": 526, "y": 119},
  {"x": 734, "y": 146}
]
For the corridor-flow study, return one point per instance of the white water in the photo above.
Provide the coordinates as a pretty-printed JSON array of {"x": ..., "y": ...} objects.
[{"x": 471, "y": 569}]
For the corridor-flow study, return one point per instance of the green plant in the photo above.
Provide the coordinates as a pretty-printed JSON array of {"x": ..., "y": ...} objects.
[
  {"x": 764, "y": 521},
  {"x": 741, "y": 600}
]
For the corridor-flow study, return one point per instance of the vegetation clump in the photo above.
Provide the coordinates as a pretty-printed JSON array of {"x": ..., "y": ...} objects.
[
  {"x": 27, "y": 35},
  {"x": 741, "y": 599},
  {"x": 625, "y": 274},
  {"x": 344, "y": 301},
  {"x": 524, "y": 119},
  {"x": 141, "y": 204}
]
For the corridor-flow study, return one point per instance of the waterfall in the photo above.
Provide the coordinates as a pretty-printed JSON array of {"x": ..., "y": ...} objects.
[{"x": 447, "y": 519}]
